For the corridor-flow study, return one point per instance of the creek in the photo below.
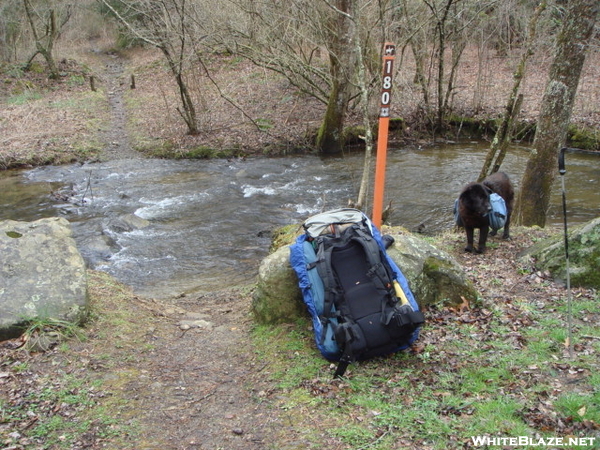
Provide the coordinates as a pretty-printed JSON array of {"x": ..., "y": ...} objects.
[{"x": 210, "y": 221}]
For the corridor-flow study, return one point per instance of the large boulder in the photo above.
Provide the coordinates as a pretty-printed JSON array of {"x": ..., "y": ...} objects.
[
  {"x": 584, "y": 255},
  {"x": 433, "y": 276},
  {"x": 42, "y": 276},
  {"x": 277, "y": 297}
]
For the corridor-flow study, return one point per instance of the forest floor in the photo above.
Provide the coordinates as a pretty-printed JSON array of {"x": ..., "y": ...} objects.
[{"x": 187, "y": 372}]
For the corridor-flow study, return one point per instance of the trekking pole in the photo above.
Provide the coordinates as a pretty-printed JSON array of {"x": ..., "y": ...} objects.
[{"x": 562, "y": 171}]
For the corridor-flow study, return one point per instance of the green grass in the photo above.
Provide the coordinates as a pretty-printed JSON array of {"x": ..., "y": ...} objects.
[
  {"x": 57, "y": 410},
  {"x": 580, "y": 406},
  {"x": 24, "y": 98},
  {"x": 498, "y": 378},
  {"x": 264, "y": 124},
  {"x": 298, "y": 360},
  {"x": 87, "y": 101}
]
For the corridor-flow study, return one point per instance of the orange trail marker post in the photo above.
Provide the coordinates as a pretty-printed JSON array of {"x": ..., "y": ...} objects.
[{"x": 389, "y": 52}]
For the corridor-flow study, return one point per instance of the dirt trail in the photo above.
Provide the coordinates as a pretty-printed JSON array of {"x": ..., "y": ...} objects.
[
  {"x": 116, "y": 81},
  {"x": 200, "y": 387},
  {"x": 185, "y": 366}
]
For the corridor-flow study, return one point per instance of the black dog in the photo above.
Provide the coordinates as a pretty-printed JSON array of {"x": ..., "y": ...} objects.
[{"x": 474, "y": 208}]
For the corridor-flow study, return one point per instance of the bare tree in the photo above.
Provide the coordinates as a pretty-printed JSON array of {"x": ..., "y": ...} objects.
[
  {"x": 504, "y": 133},
  {"x": 10, "y": 29},
  {"x": 451, "y": 24},
  {"x": 313, "y": 44},
  {"x": 415, "y": 32},
  {"x": 290, "y": 41},
  {"x": 342, "y": 32},
  {"x": 572, "y": 44},
  {"x": 355, "y": 52},
  {"x": 164, "y": 24},
  {"x": 46, "y": 24}
]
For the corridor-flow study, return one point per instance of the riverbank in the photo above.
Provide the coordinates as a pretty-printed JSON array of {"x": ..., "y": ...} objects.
[{"x": 246, "y": 111}]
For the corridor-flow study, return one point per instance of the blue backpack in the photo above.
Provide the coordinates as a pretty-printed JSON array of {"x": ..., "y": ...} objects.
[
  {"x": 359, "y": 300},
  {"x": 497, "y": 217}
]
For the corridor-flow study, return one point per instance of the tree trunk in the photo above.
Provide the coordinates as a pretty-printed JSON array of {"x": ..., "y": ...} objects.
[
  {"x": 420, "y": 78},
  {"x": 50, "y": 37},
  {"x": 441, "y": 36},
  {"x": 506, "y": 138},
  {"x": 457, "y": 50},
  {"x": 440, "y": 113},
  {"x": 330, "y": 138},
  {"x": 189, "y": 110},
  {"x": 188, "y": 113},
  {"x": 513, "y": 106},
  {"x": 361, "y": 200},
  {"x": 44, "y": 45},
  {"x": 555, "y": 112}
]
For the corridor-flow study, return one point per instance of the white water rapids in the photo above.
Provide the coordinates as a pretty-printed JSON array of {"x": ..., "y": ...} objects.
[{"x": 210, "y": 220}]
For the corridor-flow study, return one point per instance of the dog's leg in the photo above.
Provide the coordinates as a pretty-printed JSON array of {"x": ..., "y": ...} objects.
[
  {"x": 469, "y": 247},
  {"x": 483, "y": 234},
  {"x": 506, "y": 234}
]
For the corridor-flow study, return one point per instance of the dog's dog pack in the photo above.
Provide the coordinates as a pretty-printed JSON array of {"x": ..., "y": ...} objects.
[{"x": 474, "y": 208}]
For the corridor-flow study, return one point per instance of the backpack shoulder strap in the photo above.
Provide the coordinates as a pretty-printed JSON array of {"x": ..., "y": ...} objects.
[
  {"x": 325, "y": 245},
  {"x": 380, "y": 271}
]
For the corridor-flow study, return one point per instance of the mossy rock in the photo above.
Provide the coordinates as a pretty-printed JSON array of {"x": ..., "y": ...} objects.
[
  {"x": 277, "y": 298},
  {"x": 283, "y": 236},
  {"x": 584, "y": 255},
  {"x": 584, "y": 138},
  {"x": 433, "y": 276}
]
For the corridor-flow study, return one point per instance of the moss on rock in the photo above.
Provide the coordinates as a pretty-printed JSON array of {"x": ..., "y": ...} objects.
[{"x": 584, "y": 255}]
